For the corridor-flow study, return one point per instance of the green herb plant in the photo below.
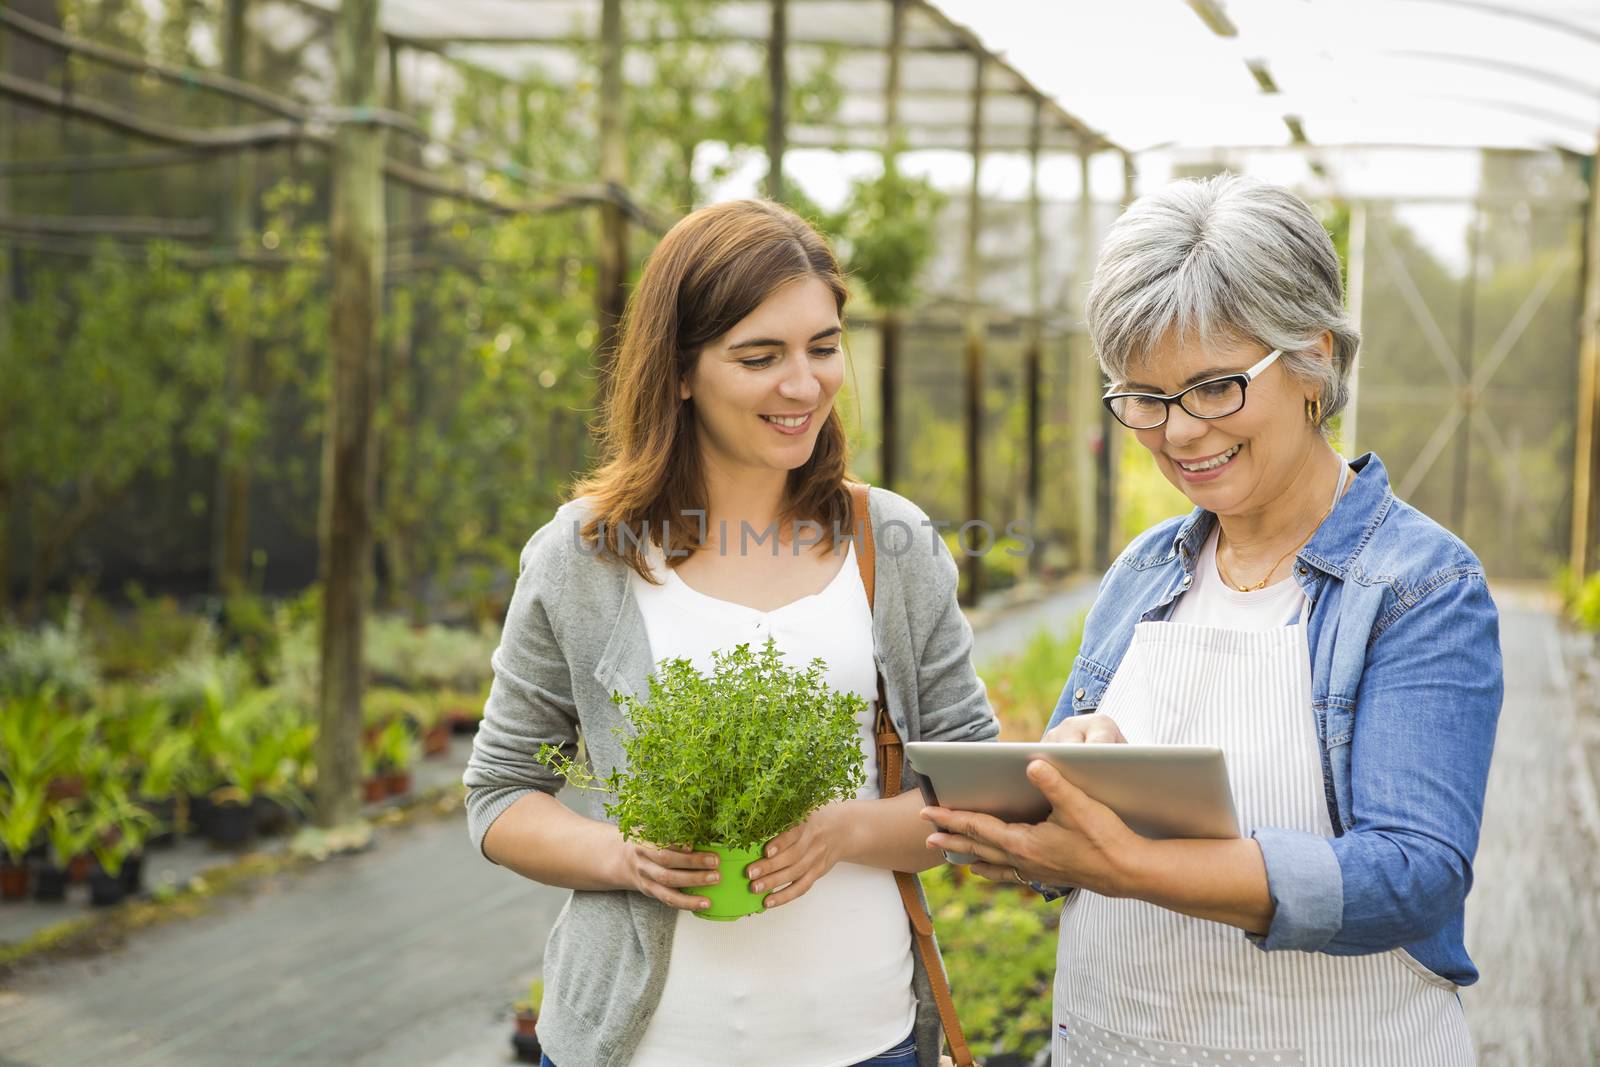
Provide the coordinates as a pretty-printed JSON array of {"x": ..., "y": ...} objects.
[{"x": 732, "y": 759}]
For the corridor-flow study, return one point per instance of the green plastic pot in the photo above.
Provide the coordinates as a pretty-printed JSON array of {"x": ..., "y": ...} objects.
[{"x": 730, "y": 896}]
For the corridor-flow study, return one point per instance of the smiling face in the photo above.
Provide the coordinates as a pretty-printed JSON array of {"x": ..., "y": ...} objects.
[
  {"x": 763, "y": 390},
  {"x": 1262, "y": 448}
]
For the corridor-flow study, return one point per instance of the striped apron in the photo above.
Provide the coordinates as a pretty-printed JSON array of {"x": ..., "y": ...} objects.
[{"x": 1137, "y": 984}]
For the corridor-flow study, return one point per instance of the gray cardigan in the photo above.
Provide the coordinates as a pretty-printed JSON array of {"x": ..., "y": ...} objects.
[{"x": 573, "y": 636}]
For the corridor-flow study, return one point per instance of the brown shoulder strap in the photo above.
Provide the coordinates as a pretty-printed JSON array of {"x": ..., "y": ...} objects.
[{"x": 889, "y": 754}]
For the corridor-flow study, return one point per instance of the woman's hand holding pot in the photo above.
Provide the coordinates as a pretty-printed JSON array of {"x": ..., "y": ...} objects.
[
  {"x": 663, "y": 873},
  {"x": 796, "y": 858}
]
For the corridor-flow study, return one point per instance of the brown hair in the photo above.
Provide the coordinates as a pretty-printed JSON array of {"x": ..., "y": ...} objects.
[{"x": 710, "y": 270}]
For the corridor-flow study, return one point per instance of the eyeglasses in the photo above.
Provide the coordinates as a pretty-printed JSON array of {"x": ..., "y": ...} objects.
[{"x": 1213, "y": 398}]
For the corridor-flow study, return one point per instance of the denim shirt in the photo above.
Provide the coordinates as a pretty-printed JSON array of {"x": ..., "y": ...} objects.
[{"x": 1406, "y": 684}]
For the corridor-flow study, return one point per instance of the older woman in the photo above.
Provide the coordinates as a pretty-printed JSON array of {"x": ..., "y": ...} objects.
[{"x": 1340, "y": 647}]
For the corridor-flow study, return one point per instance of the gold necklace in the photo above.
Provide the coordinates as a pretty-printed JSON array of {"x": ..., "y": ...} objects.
[{"x": 1262, "y": 584}]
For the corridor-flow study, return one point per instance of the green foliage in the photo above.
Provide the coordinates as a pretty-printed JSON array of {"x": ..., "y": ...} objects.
[
  {"x": 534, "y": 999},
  {"x": 57, "y": 658},
  {"x": 22, "y": 814},
  {"x": 427, "y": 657},
  {"x": 1024, "y": 688},
  {"x": 887, "y": 233},
  {"x": 731, "y": 759},
  {"x": 69, "y": 831},
  {"x": 117, "y": 827},
  {"x": 1581, "y": 599},
  {"x": 137, "y": 643},
  {"x": 999, "y": 948},
  {"x": 109, "y": 374},
  {"x": 1144, "y": 496},
  {"x": 38, "y": 739},
  {"x": 257, "y": 746},
  {"x": 395, "y": 747}
]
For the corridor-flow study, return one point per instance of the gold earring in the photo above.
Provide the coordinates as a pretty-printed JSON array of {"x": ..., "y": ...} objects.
[{"x": 1314, "y": 410}]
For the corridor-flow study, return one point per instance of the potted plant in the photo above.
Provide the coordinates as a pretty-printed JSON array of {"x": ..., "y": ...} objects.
[
  {"x": 37, "y": 735},
  {"x": 373, "y": 786},
  {"x": 118, "y": 829},
  {"x": 166, "y": 764},
  {"x": 22, "y": 806},
  {"x": 435, "y": 732},
  {"x": 798, "y": 747},
  {"x": 525, "y": 1038},
  {"x": 397, "y": 751},
  {"x": 254, "y": 751},
  {"x": 69, "y": 833}
]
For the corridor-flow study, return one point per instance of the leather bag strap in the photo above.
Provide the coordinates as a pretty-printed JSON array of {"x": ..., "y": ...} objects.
[{"x": 889, "y": 763}]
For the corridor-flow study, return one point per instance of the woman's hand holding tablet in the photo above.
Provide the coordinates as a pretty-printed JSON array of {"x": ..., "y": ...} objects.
[{"x": 1069, "y": 812}]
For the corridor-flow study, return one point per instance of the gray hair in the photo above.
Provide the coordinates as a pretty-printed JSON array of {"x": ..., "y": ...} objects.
[{"x": 1225, "y": 258}]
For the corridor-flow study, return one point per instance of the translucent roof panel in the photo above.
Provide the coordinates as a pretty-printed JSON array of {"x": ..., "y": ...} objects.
[
  {"x": 938, "y": 71},
  {"x": 1501, "y": 74}
]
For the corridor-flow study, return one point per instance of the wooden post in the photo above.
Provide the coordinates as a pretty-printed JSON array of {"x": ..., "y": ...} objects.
[
  {"x": 1586, "y": 460},
  {"x": 231, "y": 521},
  {"x": 975, "y": 329},
  {"x": 1467, "y": 399},
  {"x": 347, "y": 469},
  {"x": 8, "y": 139},
  {"x": 1355, "y": 295},
  {"x": 611, "y": 282},
  {"x": 1084, "y": 379},
  {"x": 777, "y": 97},
  {"x": 1033, "y": 341},
  {"x": 889, "y": 322}
]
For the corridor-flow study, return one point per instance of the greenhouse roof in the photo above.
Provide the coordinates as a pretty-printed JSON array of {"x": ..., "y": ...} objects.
[
  {"x": 548, "y": 37},
  {"x": 1461, "y": 73}
]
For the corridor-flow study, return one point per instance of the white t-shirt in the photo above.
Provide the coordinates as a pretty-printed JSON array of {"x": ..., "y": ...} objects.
[
  {"x": 1213, "y": 602},
  {"x": 825, "y": 980}
]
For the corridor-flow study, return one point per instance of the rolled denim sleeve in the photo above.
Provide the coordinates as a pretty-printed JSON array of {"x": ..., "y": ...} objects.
[
  {"x": 1307, "y": 889},
  {"x": 1423, "y": 733}
]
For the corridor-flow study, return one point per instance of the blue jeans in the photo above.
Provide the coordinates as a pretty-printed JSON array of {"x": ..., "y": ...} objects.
[{"x": 902, "y": 1055}]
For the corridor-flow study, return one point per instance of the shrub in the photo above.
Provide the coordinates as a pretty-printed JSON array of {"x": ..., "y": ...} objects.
[
  {"x": 1024, "y": 688},
  {"x": 732, "y": 759},
  {"x": 139, "y": 642},
  {"x": 1583, "y": 602},
  {"x": 999, "y": 948},
  {"x": 57, "y": 658}
]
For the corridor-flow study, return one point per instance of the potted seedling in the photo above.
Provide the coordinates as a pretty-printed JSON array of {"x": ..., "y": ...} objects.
[
  {"x": 373, "y": 786},
  {"x": 167, "y": 763},
  {"x": 525, "y": 1038},
  {"x": 727, "y": 762},
  {"x": 69, "y": 833},
  {"x": 118, "y": 830},
  {"x": 435, "y": 732},
  {"x": 397, "y": 751},
  {"x": 253, "y": 751},
  {"x": 22, "y": 807}
]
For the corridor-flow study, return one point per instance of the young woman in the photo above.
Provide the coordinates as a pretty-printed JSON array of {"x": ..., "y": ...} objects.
[{"x": 724, "y": 450}]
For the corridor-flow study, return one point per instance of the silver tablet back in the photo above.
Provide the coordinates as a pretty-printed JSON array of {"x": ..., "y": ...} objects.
[{"x": 1160, "y": 791}]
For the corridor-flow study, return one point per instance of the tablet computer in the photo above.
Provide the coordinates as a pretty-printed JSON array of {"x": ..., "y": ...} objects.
[{"x": 1160, "y": 791}]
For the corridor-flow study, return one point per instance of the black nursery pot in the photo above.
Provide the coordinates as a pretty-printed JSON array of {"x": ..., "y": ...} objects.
[
  {"x": 200, "y": 811},
  {"x": 133, "y": 874},
  {"x": 232, "y": 824},
  {"x": 526, "y": 1047},
  {"x": 273, "y": 817},
  {"x": 166, "y": 812},
  {"x": 49, "y": 882},
  {"x": 105, "y": 890}
]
